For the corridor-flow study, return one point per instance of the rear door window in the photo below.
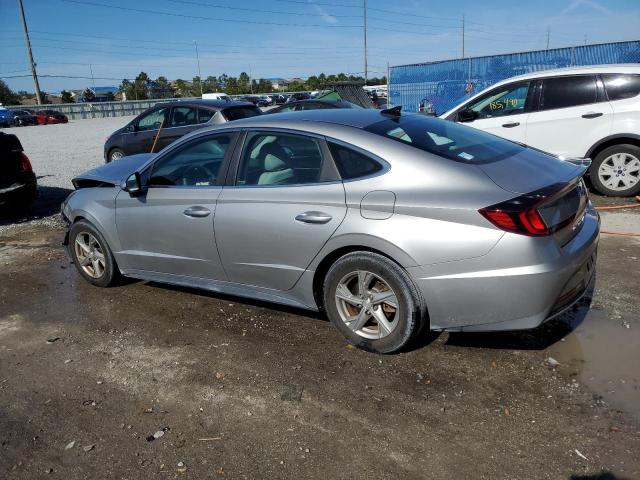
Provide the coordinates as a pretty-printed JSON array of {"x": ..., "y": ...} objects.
[
  {"x": 564, "y": 92},
  {"x": 237, "y": 113},
  {"x": 183, "y": 116},
  {"x": 621, "y": 87}
]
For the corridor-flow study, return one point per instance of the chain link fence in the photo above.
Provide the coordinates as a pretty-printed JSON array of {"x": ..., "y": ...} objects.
[{"x": 439, "y": 86}]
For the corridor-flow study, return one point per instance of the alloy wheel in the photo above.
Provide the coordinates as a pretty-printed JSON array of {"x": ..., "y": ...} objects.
[
  {"x": 620, "y": 171},
  {"x": 89, "y": 254},
  {"x": 116, "y": 155},
  {"x": 367, "y": 304}
]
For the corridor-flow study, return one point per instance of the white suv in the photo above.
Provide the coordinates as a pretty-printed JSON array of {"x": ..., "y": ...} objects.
[{"x": 580, "y": 112}]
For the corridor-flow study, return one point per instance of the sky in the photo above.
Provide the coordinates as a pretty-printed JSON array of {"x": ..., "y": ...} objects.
[{"x": 115, "y": 39}]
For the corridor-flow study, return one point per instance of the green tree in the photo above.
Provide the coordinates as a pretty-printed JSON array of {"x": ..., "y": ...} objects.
[
  {"x": 66, "y": 97},
  {"x": 161, "y": 88},
  {"x": 210, "y": 84},
  {"x": 295, "y": 87},
  {"x": 8, "y": 96},
  {"x": 244, "y": 83}
]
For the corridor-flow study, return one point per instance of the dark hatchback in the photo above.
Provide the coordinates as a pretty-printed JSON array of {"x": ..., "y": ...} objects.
[
  {"x": 172, "y": 120},
  {"x": 24, "y": 117},
  {"x": 312, "y": 105},
  {"x": 18, "y": 186}
]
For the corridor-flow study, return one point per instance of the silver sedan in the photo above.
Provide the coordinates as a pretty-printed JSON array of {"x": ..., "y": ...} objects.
[{"x": 388, "y": 222}]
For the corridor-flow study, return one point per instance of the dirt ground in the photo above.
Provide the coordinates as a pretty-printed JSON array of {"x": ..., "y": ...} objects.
[{"x": 243, "y": 389}]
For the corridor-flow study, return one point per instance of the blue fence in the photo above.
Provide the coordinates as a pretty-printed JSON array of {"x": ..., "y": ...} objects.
[{"x": 445, "y": 84}]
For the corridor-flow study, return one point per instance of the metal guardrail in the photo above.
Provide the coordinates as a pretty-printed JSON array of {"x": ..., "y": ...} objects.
[{"x": 77, "y": 111}]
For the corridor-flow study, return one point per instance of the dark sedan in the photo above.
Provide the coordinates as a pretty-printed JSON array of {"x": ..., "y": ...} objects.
[
  {"x": 18, "y": 185},
  {"x": 312, "y": 105},
  {"x": 23, "y": 117},
  {"x": 160, "y": 125}
]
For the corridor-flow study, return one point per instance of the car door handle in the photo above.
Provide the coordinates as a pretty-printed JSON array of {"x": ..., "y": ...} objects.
[
  {"x": 314, "y": 217},
  {"x": 592, "y": 115},
  {"x": 510, "y": 125},
  {"x": 197, "y": 212}
]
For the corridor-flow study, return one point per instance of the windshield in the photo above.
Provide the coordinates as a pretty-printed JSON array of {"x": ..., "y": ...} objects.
[{"x": 447, "y": 139}]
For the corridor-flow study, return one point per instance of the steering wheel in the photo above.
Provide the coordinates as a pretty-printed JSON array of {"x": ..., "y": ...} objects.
[{"x": 196, "y": 174}]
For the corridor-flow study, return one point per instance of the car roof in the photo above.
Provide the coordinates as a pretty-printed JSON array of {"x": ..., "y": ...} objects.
[
  {"x": 210, "y": 103},
  {"x": 350, "y": 117},
  {"x": 588, "y": 69}
]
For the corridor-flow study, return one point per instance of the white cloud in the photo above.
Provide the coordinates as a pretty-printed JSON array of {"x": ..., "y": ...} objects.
[{"x": 576, "y": 4}]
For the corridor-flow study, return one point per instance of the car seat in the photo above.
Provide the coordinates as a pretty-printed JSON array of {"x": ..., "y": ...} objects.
[{"x": 276, "y": 169}]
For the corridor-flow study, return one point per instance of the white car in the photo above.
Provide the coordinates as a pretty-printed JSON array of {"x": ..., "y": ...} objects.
[{"x": 583, "y": 112}]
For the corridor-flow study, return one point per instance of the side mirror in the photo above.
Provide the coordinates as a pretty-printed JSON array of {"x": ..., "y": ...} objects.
[
  {"x": 133, "y": 185},
  {"x": 467, "y": 115}
]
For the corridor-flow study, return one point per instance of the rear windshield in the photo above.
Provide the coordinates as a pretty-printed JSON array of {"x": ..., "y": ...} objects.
[
  {"x": 237, "y": 113},
  {"x": 447, "y": 139}
]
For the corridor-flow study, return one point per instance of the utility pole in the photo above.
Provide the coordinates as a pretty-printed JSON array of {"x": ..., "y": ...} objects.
[
  {"x": 388, "y": 84},
  {"x": 198, "y": 61},
  {"x": 365, "y": 43},
  {"x": 30, "y": 54},
  {"x": 463, "y": 36},
  {"x": 548, "y": 36},
  {"x": 93, "y": 83}
]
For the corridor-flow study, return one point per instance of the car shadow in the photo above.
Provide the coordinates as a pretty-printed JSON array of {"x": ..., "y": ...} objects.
[
  {"x": 46, "y": 204},
  {"x": 538, "y": 338},
  {"x": 307, "y": 314},
  {"x": 604, "y": 475}
]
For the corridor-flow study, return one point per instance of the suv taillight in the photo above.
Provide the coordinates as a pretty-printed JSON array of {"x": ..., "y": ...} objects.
[
  {"x": 539, "y": 213},
  {"x": 25, "y": 164}
]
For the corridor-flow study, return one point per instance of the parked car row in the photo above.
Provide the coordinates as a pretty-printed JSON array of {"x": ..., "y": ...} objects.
[{"x": 25, "y": 116}]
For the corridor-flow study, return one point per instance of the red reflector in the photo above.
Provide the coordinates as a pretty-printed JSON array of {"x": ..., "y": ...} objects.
[{"x": 25, "y": 163}]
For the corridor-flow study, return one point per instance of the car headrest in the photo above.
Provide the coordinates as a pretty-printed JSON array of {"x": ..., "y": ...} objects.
[{"x": 275, "y": 157}]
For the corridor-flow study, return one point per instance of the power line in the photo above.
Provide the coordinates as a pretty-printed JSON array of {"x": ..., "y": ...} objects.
[
  {"x": 201, "y": 17},
  {"x": 257, "y": 10}
]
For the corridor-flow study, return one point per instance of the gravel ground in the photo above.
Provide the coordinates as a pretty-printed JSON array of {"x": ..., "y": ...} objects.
[
  {"x": 62, "y": 151},
  {"x": 243, "y": 389}
]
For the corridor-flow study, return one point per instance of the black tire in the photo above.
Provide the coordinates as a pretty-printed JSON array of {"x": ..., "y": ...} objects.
[
  {"x": 411, "y": 313},
  {"x": 600, "y": 159},
  {"x": 110, "y": 272},
  {"x": 112, "y": 152}
]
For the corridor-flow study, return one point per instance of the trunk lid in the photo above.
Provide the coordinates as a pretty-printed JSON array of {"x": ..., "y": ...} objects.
[{"x": 530, "y": 170}]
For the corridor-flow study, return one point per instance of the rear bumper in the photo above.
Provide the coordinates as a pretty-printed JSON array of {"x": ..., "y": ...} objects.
[
  {"x": 520, "y": 284},
  {"x": 20, "y": 193}
]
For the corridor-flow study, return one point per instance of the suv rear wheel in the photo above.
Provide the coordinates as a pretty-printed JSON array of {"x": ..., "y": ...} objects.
[
  {"x": 372, "y": 302},
  {"x": 616, "y": 171}
]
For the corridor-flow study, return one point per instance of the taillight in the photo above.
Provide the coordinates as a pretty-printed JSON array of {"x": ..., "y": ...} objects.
[
  {"x": 25, "y": 164},
  {"x": 526, "y": 222},
  {"x": 539, "y": 213}
]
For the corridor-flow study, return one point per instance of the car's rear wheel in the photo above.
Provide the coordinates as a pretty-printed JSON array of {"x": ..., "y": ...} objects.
[
  {"x": 616, "y": 171},
  {"x": 372, "y": 301},
  {"x": 115, "y": 154},
  {"x": 91, "y": 255}
]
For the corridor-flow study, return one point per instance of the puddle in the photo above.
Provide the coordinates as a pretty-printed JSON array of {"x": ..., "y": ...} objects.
[{"x": 604, "y": 356}]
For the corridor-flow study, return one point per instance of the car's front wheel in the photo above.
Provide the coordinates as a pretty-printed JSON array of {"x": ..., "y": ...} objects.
[
  {"x": 115, "y": 154},
  {"x": 91, "y": 255},
  {"x": 616, "y": 171},
  {"x": 373, "y": 302}
]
